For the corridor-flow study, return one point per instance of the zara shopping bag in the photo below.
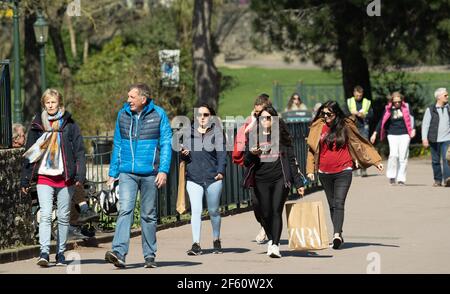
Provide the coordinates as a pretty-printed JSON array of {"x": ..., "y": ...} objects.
[{"x": 306, "y": 224}]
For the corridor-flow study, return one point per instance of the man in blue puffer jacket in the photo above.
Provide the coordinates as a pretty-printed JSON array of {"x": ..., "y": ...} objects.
[{"x": 141, "y": 161}]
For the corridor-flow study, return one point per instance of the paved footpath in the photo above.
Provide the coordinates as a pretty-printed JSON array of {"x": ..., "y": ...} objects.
[{"x": 401, "y": 229}]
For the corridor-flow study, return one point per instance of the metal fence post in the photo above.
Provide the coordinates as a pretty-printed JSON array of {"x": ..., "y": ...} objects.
[{"x": 5, "y": 106}]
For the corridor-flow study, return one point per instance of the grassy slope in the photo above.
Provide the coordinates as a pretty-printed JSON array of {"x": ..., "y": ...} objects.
[{"x": 249, "y": 82}]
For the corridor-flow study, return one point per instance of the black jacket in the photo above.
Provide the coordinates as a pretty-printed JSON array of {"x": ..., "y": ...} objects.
[
  {"x": 434, "y": 123},
  {"x": 203, "y": 165},
  {"x": 72, "y": 151},
  {"x": 289, "y": 164}
]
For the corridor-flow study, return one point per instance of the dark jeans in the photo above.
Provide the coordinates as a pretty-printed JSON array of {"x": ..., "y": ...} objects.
[
  {"x": 271, "y": 197},
  {"x": 438, "y": 152},
  {"x": 336, "y": 187}
]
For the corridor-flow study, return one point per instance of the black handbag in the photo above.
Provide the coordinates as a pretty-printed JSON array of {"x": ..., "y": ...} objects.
[{"x": 249, "y": 177}]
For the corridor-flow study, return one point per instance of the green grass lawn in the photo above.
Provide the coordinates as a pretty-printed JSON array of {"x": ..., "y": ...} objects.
[{"x": 249, "y": 82}]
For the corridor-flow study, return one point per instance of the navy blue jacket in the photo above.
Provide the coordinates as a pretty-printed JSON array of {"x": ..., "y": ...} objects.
[
  {"x": 142, "y": 144},
  {"x": 208, "y": 156}
]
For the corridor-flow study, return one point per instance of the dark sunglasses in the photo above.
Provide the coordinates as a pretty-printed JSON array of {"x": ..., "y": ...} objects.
[
  {"x": 397, "y": 102},
  {"x": 327, "y": 114},
  {"x": 203, "y": 115},
  {"x": 268, "y": 118}
]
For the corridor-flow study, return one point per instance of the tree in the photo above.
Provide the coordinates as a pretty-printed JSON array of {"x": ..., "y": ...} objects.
[
  {"x": 32, "y": 76},
  {"x": 331, "y": 31},
  {"x": 56, "y": 16},
  {"x": 206, "y": 75}
]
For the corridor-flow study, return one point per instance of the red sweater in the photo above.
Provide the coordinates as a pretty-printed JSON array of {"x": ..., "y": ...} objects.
[{"x": 333, "y": 160}]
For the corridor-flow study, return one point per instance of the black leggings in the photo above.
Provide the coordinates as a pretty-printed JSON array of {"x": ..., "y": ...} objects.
[
  {"x": 336, "y": 187},
  {"x": 256, "y": 207},
  {"x": 271, "y": 198}
]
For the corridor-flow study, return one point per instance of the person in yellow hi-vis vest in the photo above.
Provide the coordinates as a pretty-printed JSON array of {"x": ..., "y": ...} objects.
[{"x": 361, "y": 108}]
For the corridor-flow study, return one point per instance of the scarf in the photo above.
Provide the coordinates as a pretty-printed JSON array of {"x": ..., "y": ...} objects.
[{"x": 48, "y": 146}]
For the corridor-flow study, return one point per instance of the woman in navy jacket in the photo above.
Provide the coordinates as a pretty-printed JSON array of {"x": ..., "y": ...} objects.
[{"x": 205, "y": 157}]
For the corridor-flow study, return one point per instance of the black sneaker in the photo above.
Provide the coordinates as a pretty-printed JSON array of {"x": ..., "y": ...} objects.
[
  {"x": 115, "y": 258},
  {"x": 217, "y": 247},
  {"x": 337, "y": 241},
  {"x": 43, "y": 260},
  {"x": 447, "y": 182},
  {"x": 392, "y": 181},
  {"x": 60, "y": 259},
  {"x": 150, "y": 262},
  {"x": 195, "y": 250},
  {"x": 87, "y": 215},
  {"x": 437, "y": 184},
  {"x": 401, "y": 183}
]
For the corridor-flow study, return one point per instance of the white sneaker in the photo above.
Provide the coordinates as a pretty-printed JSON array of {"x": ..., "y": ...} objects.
[
  {"x": 269, "y": 248},
  {"x": 261, "y": 237},
  {"x": 275, "y": 251}
]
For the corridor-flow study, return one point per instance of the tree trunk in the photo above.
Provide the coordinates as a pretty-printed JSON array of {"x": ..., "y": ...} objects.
[
  {"x": 130, "y": 4},
  {"x": 355, "y": 69},
  {"x": 146, "y": 7},
  {"x": 206, "y": 76},
  {"x": 32, "y": 75},
  {"x": 61, "y": 57},
  {"x": 73, "y": 37},
  {"x": 86, "y": 50}
]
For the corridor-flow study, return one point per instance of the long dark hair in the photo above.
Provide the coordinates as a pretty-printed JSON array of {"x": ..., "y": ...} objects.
[
  {"x": 285, "y": 136},
  {"x": 291, "y": 100},
  {"x": 338, "y": 133}
]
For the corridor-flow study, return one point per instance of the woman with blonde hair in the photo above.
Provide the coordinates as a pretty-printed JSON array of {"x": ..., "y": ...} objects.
[
  {"x": 55, "y": 160},
  {"x": 397, "y": 125}
]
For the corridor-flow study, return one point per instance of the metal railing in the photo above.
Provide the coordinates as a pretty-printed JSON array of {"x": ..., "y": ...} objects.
[{"x": 5, "y": 106}]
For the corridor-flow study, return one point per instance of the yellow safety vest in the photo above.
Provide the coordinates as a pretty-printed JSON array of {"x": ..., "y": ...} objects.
[{"x": 351, "y": 103}]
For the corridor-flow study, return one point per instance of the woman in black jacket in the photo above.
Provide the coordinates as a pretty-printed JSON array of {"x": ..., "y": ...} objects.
[
  {"x": 205, "y": 157},
  {"x": 274, "y": 167},
  {"x": 54, "y": 159}
]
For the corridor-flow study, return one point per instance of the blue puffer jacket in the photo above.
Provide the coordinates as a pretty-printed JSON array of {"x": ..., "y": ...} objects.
[{"x": 142, "y": 144}]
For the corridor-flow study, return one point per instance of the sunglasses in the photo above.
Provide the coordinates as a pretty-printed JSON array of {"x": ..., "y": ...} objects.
[
  {"x": 327, "y": 114},
  {"x": 268, "y": 118},
  {"x": 203, "y": 115},
  {"x": 396, "y": 102}
]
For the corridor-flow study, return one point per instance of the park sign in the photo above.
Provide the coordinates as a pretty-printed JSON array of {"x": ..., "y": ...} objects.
[{"x": 170, "y": 70}]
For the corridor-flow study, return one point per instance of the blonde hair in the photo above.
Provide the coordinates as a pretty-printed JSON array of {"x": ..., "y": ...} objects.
[
  {"x": 51, "y": 93},
  {"x": 397, "y": 93}
]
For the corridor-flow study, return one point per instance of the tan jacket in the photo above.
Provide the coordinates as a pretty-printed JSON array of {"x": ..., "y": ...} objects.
[{"x": 362, "y": 151}]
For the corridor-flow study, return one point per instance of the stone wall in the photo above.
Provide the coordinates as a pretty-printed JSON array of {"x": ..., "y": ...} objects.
[{"x": 16, "y": 226}]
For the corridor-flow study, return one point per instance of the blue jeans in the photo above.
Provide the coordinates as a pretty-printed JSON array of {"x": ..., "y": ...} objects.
[
  {"x": 129, "y": 184},
  {"x": 45, "y": 196},
  {"x": 438, "y": 152},
  {"x": 213, "y": 193}
]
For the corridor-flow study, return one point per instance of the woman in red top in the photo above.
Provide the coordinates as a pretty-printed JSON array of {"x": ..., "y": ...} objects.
[{"x": 333, "y": 157}]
